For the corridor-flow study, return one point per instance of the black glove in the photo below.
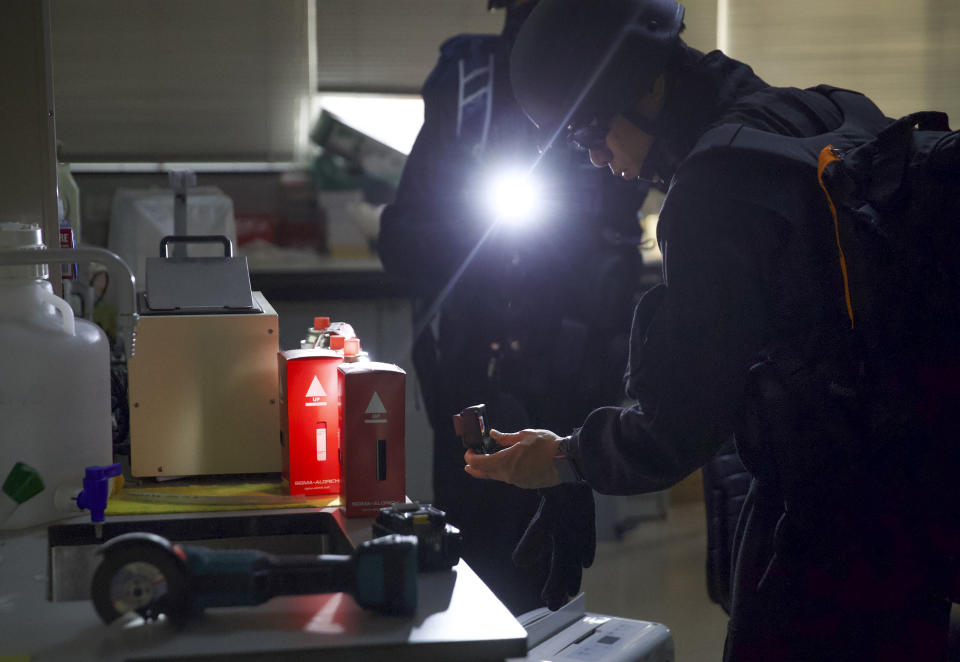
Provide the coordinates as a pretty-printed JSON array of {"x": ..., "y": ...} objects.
[{"x": 564, "y": 528}]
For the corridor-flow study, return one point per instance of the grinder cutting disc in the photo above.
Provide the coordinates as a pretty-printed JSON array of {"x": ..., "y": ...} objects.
[{"x": 140, "y": 575}]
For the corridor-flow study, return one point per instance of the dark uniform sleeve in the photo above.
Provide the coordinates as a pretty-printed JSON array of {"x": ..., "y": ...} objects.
[
  {"x": 434, "y": 221},
  {"x": 693, "y": 339}
]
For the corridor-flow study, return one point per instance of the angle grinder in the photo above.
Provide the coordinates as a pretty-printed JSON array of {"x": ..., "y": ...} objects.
[{"x": 147, "y": 574}]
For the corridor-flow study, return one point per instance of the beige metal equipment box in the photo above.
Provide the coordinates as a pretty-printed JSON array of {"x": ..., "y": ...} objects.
[{"x": 203, "y": 394}]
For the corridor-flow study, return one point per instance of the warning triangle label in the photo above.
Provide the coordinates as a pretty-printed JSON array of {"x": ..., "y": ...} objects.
[
  {"x": 376, "y": 405},
  {"x": 315, "y": 390}
]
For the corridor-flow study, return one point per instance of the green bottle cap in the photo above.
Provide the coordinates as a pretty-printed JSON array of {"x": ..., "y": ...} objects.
[{"x": 23, "y": 483}]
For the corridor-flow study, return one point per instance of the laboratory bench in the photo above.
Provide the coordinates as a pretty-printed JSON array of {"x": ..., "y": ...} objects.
[{"x": 457, "y": 617}]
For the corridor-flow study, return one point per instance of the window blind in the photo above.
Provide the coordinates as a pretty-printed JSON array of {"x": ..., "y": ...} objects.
[
  {"x": 902, "y": 54},
  {"x": 700, "y": 21},
  {"x": 180, "y": 80},
  {"x": 390, "y": 45}
]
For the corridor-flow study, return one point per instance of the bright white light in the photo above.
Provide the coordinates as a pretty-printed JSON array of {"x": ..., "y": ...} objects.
[{"x": 513, "y": 196}]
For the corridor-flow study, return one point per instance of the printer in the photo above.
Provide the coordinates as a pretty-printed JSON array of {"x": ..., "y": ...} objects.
[{"x": 571, "y": 633}]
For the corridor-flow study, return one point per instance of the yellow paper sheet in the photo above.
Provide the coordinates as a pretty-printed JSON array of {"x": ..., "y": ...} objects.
[{"x": 157, "y": 499}]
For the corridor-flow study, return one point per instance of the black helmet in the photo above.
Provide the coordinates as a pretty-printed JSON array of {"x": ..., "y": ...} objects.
[{"x": 575, "y": 61}]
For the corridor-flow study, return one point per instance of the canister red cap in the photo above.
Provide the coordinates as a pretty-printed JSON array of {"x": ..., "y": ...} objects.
[
  {"x": 321, "y": 323},
  {"x": 351, "y": 347},
  {"x": 336, "y": 342}
]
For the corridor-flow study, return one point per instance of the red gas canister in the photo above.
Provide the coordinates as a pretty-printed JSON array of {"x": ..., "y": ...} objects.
[
  {"x": 309, "y": 420},
  {"x": 373, "y": 471}
]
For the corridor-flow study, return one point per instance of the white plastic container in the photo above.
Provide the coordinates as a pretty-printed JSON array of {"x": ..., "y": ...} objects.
[{"x": 54, "y": 384}]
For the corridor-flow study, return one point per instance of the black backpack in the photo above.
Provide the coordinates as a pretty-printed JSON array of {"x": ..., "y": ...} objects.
[
  {"x": 893, "y": 188},
  {"x": 896, "y": 206},
  {"x": 868, "y": 420}
]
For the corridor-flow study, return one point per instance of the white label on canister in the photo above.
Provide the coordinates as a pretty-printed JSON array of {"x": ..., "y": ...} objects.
[
  {"x": 376, "y": 405},
  {"x": 315, "y": 393},
  {"x": 322, "y": 442},
  {"x": 376, "y": 412},
  {"x": 316, "y": 389}
]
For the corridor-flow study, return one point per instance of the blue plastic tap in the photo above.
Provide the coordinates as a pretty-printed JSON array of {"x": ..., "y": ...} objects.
[{"x": 96, "y": 489}]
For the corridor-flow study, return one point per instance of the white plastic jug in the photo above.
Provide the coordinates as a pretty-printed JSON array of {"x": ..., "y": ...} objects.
[{"x": 54, "y": 384}]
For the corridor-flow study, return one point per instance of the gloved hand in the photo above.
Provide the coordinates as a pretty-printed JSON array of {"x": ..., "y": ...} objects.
[{"x": 564, "y": 528}]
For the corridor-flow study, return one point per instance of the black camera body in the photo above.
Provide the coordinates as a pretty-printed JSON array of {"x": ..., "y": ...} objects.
[
  {"x": 471, "y": 426},
  {"x": 439, "y": 544}
]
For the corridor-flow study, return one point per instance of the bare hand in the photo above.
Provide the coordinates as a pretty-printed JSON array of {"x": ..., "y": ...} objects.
[{"x": 526, "y": 462}]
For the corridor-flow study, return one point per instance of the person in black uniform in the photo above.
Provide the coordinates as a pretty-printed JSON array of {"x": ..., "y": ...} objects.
[
  {"x": 826, "y": 566},
  {"x": 536, "y": 322}
]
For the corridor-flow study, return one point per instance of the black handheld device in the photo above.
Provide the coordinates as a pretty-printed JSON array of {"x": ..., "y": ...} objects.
[{"x": 474, "y": 432}]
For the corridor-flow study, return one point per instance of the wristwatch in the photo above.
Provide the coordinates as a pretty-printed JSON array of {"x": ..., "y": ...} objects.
[{"x": 567, "y": 469}]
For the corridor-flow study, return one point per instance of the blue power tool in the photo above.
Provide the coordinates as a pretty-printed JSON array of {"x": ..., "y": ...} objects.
[{"x": 147, "y": 574}]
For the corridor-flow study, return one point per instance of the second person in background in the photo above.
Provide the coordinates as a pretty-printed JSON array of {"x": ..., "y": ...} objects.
[{"x": 537, "y": 324}]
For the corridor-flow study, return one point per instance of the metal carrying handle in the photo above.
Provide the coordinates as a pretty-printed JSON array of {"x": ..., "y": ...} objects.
[
  {"x": 196, "y": 239},
  {"x": 120, "y": 274}
]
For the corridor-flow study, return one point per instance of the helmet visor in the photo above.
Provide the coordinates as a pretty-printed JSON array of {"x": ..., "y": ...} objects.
[{"x": 593, "y": 136}]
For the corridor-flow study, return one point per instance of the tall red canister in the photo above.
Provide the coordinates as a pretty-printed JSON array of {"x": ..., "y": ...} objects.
[
  {"x": 373, "y": 471},
  {"x": 309, "y": 420}
]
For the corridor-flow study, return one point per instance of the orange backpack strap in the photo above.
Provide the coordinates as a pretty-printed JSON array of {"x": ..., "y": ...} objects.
[{"x": 828, "y": 156}]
